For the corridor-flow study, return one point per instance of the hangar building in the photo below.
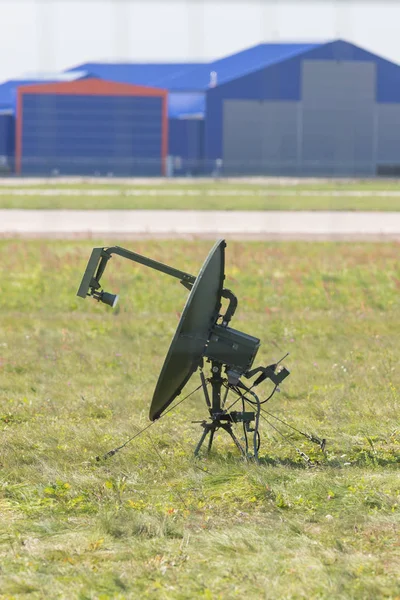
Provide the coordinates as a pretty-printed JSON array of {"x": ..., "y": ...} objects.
[
  {"x": 91, "y": 127},
  {"x": 330, "y": 109},
  {"x": 8, "y": 103},
  {"x": 185, "y": 110}
]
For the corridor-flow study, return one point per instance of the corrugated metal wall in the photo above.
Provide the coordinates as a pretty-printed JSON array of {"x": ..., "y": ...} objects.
[
  {"x": 388, "y": 139},
  {"x": 76, "y": 135},
  {"x": 186, "y": 146},
  {"x": 330, "y": 132},
  {"x": 281, "y": 82},
  {"x": 7, "y": 142},
  {"x": 338, "y": 100},
  {"x": 260, "y": 137},
  {"x": 91, "y": 129}
]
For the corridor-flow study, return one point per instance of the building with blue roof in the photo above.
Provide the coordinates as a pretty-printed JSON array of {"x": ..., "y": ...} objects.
[
  {"x": 324, "y": 109},
  {"x": 8, "y": 89},
  {"x": 188, "y": 91},
  {"x": 218, "y": 72},
  {"x": 150, "y": 74},
  {"x": 276, "y": 109},
  {"x": 8, "y": 100},
  {"x": 185, "y": 110}
]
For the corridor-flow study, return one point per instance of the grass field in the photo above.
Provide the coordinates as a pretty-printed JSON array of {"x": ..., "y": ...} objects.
[
  {"x": 76, "y": 379},
  {"x": 364, "y": 195}
]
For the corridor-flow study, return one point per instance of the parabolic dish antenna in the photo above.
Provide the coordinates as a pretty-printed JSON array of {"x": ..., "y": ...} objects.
[
  {"x": 202, "y": 333},
  {"x": 198, "y": 317}
]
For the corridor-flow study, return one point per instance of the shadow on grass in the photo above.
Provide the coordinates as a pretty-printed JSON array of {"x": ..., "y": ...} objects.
[
  {"x": 287, "y": 462},
  {"x": 364, "y": 458}
]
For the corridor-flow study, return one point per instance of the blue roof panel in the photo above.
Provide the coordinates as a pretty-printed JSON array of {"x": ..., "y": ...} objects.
[
  {"x": 236, "y": 65},
  {"x": 8, "y": 89},
  {"x": 153, "y": 74},
  {"x": 188, "y": 105}
]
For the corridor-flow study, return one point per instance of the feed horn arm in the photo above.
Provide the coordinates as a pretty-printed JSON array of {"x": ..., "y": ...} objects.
[{"x": 98, "y": 261}]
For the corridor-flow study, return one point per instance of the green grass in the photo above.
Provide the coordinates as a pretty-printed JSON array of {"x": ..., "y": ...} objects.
[
  {"x": 76, "y": 379},
  {"x": 218, "y": 195}
]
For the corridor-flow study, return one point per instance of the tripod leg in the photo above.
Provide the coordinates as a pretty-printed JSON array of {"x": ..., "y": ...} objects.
[
  {"x": 228, "y": 428},
  {"x": 203, "y": 437},
  {"x": 210, "y": 441},
  {"x": 205, "y": 390}
]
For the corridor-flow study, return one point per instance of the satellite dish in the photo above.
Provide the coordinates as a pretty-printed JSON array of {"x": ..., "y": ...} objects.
[
  {"x": 187, "y": 347},
  {"x": 202, "y": 333}
]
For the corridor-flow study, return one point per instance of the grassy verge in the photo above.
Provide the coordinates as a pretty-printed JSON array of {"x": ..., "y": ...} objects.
[
  {"x": 76, "y": 379},
  {"x": 372, "y": 195}
]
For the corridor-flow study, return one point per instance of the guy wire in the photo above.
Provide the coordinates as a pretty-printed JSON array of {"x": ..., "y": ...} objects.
[
  {"x": 303, "y": 455},
  {"x": 115, "y": 450}
]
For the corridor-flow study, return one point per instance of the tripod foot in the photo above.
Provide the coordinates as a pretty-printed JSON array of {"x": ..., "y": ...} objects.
[{"x": 210, "y": 429}]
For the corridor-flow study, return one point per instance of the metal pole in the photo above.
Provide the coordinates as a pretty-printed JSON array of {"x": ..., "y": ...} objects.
[{"x": 216, "y": 384}]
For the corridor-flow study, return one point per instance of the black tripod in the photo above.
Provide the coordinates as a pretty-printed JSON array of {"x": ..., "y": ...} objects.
[
  {"x": 220, "y": 419},
  {"x": 211, "y": 428}
]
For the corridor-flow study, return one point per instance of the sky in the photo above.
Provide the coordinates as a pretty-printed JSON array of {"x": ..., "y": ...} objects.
[{"x": 53, "y": 35}]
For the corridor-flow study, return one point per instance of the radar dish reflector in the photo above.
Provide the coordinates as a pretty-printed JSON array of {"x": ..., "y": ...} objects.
[{"x": 198, "y": 317}]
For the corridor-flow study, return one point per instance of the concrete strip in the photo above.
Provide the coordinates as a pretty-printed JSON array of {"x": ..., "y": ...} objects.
[{"x": 173, "y": 223}]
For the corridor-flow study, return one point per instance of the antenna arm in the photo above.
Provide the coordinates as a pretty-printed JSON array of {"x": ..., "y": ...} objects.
[
  {"x": 100, "y": 257},
  {"x": 152, "y": 264}
]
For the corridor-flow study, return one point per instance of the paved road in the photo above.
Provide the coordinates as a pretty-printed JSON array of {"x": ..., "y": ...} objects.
[{"x": 210, "y": 224}]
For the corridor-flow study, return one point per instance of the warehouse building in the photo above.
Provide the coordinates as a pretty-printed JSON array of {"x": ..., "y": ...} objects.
[
  {"x": 185, "y": 110},
  {"x": 91, "y": 127},
  {"x": 297, "y": 109},
  {"x": 8, "y": 103},
  {"x": 331, "y": 110},
  {"x": 191, "y": 88}
]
